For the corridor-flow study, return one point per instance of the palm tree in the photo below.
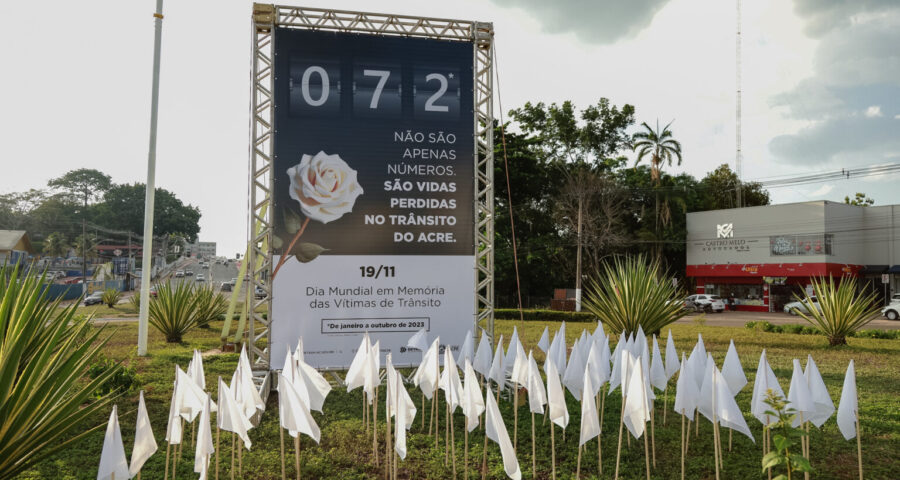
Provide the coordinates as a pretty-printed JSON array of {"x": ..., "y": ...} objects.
[
  {"x": 56, "y": 245},
  {"x": 661, "y": 148}
]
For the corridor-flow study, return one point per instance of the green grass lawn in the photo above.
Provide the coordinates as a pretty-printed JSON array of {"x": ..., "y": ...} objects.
[{"x": 345, "y": 451}]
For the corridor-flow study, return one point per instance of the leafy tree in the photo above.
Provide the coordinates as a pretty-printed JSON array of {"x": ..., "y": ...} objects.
[
  {"x": 861, "y": 199},
  {"x": 56, "y": 245},
  {"x": 84, "y": 184},
  {"x": 662, "y": 148},
  {"x": 559, "y": 134},
  {"x": 87, "y": 248},
  {"x": 719, "y": 187},
  {"x": 16, "y": 207},
  {"x": 123, "y": 209}
]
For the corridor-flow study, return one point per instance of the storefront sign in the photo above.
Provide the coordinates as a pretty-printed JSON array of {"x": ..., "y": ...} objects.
[
  {"x": 885, "y": 278},
  {"x": 725, "y": 230}
]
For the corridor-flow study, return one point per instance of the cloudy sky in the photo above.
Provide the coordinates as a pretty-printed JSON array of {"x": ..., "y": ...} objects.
[{"x": 821, "y": 86}]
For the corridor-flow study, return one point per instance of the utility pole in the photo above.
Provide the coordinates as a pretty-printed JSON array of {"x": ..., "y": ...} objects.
[
  {"x": 738, "y": 154},
  {"x": 578, "y": 256},
  {"x": 151, "y": 187}
]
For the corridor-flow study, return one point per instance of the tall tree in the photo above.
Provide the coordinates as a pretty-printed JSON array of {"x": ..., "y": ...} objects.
[
  {"x": 662, "y": 148},
  {"x": 719, "y": 188},
  {"x": 56, "y": 245},
  {"x": 861, "y": 199},
  {"x": 122, "y": 208},
  {"x": 84, "y": 184}
]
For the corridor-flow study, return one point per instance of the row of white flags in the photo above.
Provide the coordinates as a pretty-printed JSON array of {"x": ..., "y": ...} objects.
[{"x": 633, "y": 367}]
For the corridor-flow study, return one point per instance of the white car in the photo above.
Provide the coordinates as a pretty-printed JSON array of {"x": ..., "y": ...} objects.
[
  {"x": 179, "y": 274},
  {"x": 892, "y": 311},
  {"x": 200, "y": 277},
  {"x": 705, "y": 303},
  {"x": 800, "y": 307}
]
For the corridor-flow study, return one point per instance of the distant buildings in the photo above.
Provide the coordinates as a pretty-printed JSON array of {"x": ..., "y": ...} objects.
[
  {"x": 202, "y": 249},
  {"x": 15, "y": 246}
]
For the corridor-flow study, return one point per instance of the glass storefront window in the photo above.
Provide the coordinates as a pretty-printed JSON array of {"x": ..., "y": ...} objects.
[
  {"x": 743, "y": 294},
  {"x": 815, "y": 244}
]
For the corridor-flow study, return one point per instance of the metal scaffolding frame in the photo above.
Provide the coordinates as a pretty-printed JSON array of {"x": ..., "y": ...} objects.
[{"x": 264, "y": 20}]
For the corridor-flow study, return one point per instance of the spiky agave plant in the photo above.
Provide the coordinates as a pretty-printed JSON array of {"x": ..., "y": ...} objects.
[
  {"x": 208, "y": 306},
  {"x": 841, "y": 310},
  {"x": 44, "y": 353},
  {"x": 111, "y": 297},
  {"x": 633, "y": 291},
  {"x": 173, "y": 311}
]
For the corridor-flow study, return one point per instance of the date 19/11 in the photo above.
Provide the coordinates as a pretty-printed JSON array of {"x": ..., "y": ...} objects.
[{"x": 379, "y": 271}]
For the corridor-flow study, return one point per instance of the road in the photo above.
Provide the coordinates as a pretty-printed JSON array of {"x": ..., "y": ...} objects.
[
  {"x": 215, "y": 275},
  {"x": 739, "y": 319}
]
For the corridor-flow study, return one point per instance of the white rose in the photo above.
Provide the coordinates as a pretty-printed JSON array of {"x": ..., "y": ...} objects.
[{"x": 325, "y": 186}]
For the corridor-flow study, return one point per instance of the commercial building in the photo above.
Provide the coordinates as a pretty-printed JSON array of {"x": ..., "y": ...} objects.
[
  {"x": 202, "y": 249},
  {"x": 763, "y": 256}
]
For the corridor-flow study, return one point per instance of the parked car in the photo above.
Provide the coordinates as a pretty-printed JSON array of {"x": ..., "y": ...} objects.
[
  {"x": 179, "y": 273},
  {"x": 705, "y": 303},
  {"x": 94, "y": 298},
  {"x": 892, "y": 311},
  {"x": 259, "y": 292},
  {"x": 153, "y": 291},
  {"x": 800, "y": 307}
]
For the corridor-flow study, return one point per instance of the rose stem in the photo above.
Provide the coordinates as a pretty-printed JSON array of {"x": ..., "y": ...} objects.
[{"x": 284, "y": 257}]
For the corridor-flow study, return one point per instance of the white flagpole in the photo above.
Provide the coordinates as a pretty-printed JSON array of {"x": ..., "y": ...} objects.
[
  {"x": 599, "y": 437},
  {"x": 533, "y": 456},
  {"x": 666, "y": 405},
  {"x": 578, "y": 467},
  {"x": 653, "y": 434}
]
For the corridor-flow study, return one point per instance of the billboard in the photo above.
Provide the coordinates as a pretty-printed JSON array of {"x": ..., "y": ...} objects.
[{"x": 374, "y": 180}]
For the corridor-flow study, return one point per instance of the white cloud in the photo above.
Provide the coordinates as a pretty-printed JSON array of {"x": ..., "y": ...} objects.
[
  {"x": 897, "y": 117},
  {"x": 874, "y": 111},
  {"x": 821, "y": 191}
]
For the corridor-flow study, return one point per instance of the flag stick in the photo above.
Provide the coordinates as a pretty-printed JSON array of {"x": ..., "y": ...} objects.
[
  {"x": 682, "y": 443},
  {"x": 552, "y": 450},
  {"x": 687, "y": 437},
  {"x": 516, "y": 418},
  {"x": 453, "y": 443},
  {"x": 484, "y": 454},
  {"x": 423, "y": 411},
  {"x": 437, "y": 424},
  {"x": 729, "y": 438},
  {"x": 193, "y": 427},
  {"x": 859, "y": 445},
  {"x": 241, "y": 457},
  {"x": 374, "y": 427},
  {"x": 446, "y": 433},
  {"x": 619, "y": 448},
  {"x": 466, "y": 452},
  {"x": 666, "y": 404},
  {"x": 232, "y": 453},
  {"x": 766, "y": 446},
  {"x": 296, "y": 453},
  {"x": 281, "y": 432},
  {"x": 716, "y": 445},
  {"x": 808, "y": 455},
  {"x": 599, "y": 452},
  {"x": 647, "y": 455},
  {"x": 696, "y": 424},
  {"x": 168, "y": 446},
  {"x": 653, "y": 434},
  {"x": 387, "y": 438},
  {"x": 139, "y": 475},
  {"x": 578, "y": 467},
  {"x": 217, "y": 449},
  {"x": 533, "y": 460},
  {"x": 431, "y": 415},
  {"x": 365, "y": 412}
]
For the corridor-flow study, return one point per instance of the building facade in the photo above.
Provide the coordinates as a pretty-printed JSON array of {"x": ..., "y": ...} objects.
[
  {"x": 764, "y": 256},
  {"x": 202, "y": 249}
]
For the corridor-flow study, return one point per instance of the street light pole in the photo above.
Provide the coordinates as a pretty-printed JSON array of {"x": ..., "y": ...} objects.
[{"x": 151, "y": 188}]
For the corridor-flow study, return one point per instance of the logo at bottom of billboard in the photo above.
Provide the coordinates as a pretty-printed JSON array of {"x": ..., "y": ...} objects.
[{"x": 334, "y": 300}]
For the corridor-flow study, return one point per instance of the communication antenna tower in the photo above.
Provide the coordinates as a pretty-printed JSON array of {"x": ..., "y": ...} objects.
[{"x": 737, "y": 138}]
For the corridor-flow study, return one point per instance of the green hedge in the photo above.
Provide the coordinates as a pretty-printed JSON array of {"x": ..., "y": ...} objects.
[
  {"x": 237, "y": 316},
  {"x": 810, "y": 330},
  {"x": 543, "y": 315}
]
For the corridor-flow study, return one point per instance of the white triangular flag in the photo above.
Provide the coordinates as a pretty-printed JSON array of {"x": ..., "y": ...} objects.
[
  {"x": 289, "y": 370},
  {"x": 294, "y": 415},
  {"x": 599, "y": 334},
  {"x": 573, "y": 379},
  {"x": 356, "y": 373},
  {"x": 316, "y": 385},
  {"x": 658, "y": 377},
  {"x": 482, "y": 361},
  {"x": 205, "y": 447},
  {"x": 467, "y": 351},
  {"x": 637, "y": 405},
  {"x": 672, "y": 364},
  {"x": 511, "y": 352},
  {"x": 245, "y": 392},
  {"x": 174, "y": 429},
  {"x": 698, "y": 361},
  {"x": 686, "y": 393},
  {"x": 705, "y": 401},
  {"x": 733, "y": 371},
  {"x": 427, "y": 375},
  {"x": 498, "y": 370},
  {"x": 590, "y": 422},
  {"x": 112, "y": 457},
  {"x": 594, "y": 364},
  {"x": 195, "y": 370},
  {"x": 615, "y": 374},
  {"x": 472, "y": 401},
  {"x": 537, "y": 393},
  {"x": 495, "y": 429},
  {"x": 544, "y": 342},
  {"x": 824, "y": 407},
  {"x": 605, "y": 358},
  {"x": 450, "y": 383},
  {"x": 556, "y": 397},
  {"x": 144, "y": 442},
  {"x": 406, "y": 413},
  {"x": 372, "y": 371},
  {"x": 519, "y": 374},
  {"x": 727, "y": 411},
  {"x": 231, "y": 418},
  {"x": 419, "y": 340},
  {"x": 799, "y": 397},
  {"x": 192, "y": 397},
  {"x": 765, "y": 380},
  {"x": 848, "y": 407},
  {"x": 558, "y": 351}
]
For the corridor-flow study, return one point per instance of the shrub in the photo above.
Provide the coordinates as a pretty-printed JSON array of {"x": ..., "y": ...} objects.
[
  {"x": 544, "y": 315},
  {"x": 111, "y": 297},
  {"x": 208, "y": 306},
  {"x": 135, "y": 301},
  {"x": 44, "y": 351},
  {"x": 172, "y": 313},
  {"x": 633, "y": 292},
  {"x": 842, "y": 312},
  {"x": 784, "y": 437},
  {"x": 120, "y": 382}
]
